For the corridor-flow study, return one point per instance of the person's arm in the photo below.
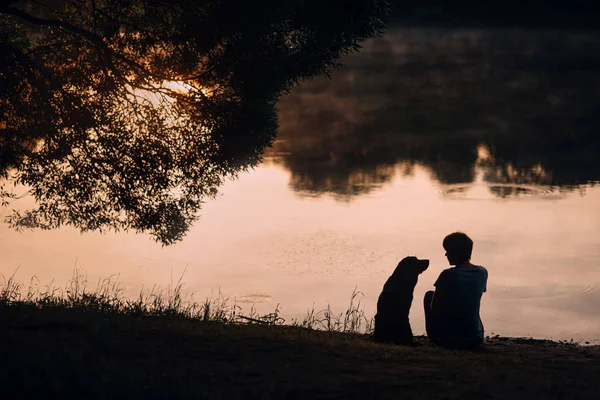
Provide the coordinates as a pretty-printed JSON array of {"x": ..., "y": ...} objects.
[
  {"x": 440, "y": 292},
  {"x": 438, "y": 299},
  {"x": 485, "y": 280}
]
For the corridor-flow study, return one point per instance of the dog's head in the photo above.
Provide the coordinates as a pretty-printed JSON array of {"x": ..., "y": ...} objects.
[{"x": 411, "y": 266}]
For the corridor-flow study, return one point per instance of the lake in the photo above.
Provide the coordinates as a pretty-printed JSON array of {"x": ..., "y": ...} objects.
[{"x": 422, "y": 133}]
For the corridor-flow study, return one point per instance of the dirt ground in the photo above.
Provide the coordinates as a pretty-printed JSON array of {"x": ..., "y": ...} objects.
[{"x": 59, "y": 353}]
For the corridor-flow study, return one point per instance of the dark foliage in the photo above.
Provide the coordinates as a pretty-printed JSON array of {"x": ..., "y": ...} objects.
[{"x": 128, "y": 114}]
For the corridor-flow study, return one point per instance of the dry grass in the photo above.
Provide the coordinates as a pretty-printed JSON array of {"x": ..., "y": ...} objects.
[{"x": 173, "y": 301}]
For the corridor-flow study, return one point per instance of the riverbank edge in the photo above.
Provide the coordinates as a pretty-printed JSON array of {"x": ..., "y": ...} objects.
[{"x": 84, "y": 352}]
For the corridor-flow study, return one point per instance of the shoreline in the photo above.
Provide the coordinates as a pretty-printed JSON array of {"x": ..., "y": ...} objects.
[
  {"x": 84, "y": 352},
  {"x": 175, "y": 301}
]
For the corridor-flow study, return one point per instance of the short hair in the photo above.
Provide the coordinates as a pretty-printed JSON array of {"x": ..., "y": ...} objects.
[{"x": 459, "y": 245}]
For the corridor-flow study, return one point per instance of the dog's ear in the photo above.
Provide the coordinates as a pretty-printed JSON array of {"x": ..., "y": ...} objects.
[{"x": 405, "y": 264}]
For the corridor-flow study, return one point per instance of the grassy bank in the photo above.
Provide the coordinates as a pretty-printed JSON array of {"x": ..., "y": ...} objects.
[{"x": 83, "y": 344}]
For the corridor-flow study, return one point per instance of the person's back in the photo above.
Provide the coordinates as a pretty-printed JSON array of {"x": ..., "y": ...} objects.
[
  {"x": 458, "y": 293},
  {"x": 452, "y": 312}
]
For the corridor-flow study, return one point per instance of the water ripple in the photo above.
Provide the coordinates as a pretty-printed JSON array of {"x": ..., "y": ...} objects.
[
  {"x": 483, "y": 191},
  {"x": 252, "y": 298}
]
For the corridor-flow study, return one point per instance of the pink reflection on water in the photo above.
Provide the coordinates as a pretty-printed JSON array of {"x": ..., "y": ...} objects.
[{"x": 260, "y": 240}]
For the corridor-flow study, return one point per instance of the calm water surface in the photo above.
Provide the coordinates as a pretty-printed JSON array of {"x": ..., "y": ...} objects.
[{"x": 424, "y": 132}]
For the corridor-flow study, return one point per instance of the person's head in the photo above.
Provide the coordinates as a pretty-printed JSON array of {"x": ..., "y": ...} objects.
[{"x": 458, "y": 248}]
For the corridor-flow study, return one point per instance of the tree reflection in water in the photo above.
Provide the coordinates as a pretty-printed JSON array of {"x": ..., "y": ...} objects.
[{"x": 529, "y": 99}]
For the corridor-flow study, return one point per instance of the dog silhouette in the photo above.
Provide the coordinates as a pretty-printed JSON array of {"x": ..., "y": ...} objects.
[{"x": 393, "y": 306}]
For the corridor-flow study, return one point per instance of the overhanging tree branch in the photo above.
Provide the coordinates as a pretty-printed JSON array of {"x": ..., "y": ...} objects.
[
  {"x": 105, "y": 52},
  {"x": 107, "y": 155}
]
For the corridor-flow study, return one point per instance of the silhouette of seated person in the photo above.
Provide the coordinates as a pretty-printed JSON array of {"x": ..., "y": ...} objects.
[{"x": 452, "y": 312}]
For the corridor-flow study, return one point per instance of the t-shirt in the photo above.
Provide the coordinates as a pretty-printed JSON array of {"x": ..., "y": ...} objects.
[{"x": 460, "y": 290}]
